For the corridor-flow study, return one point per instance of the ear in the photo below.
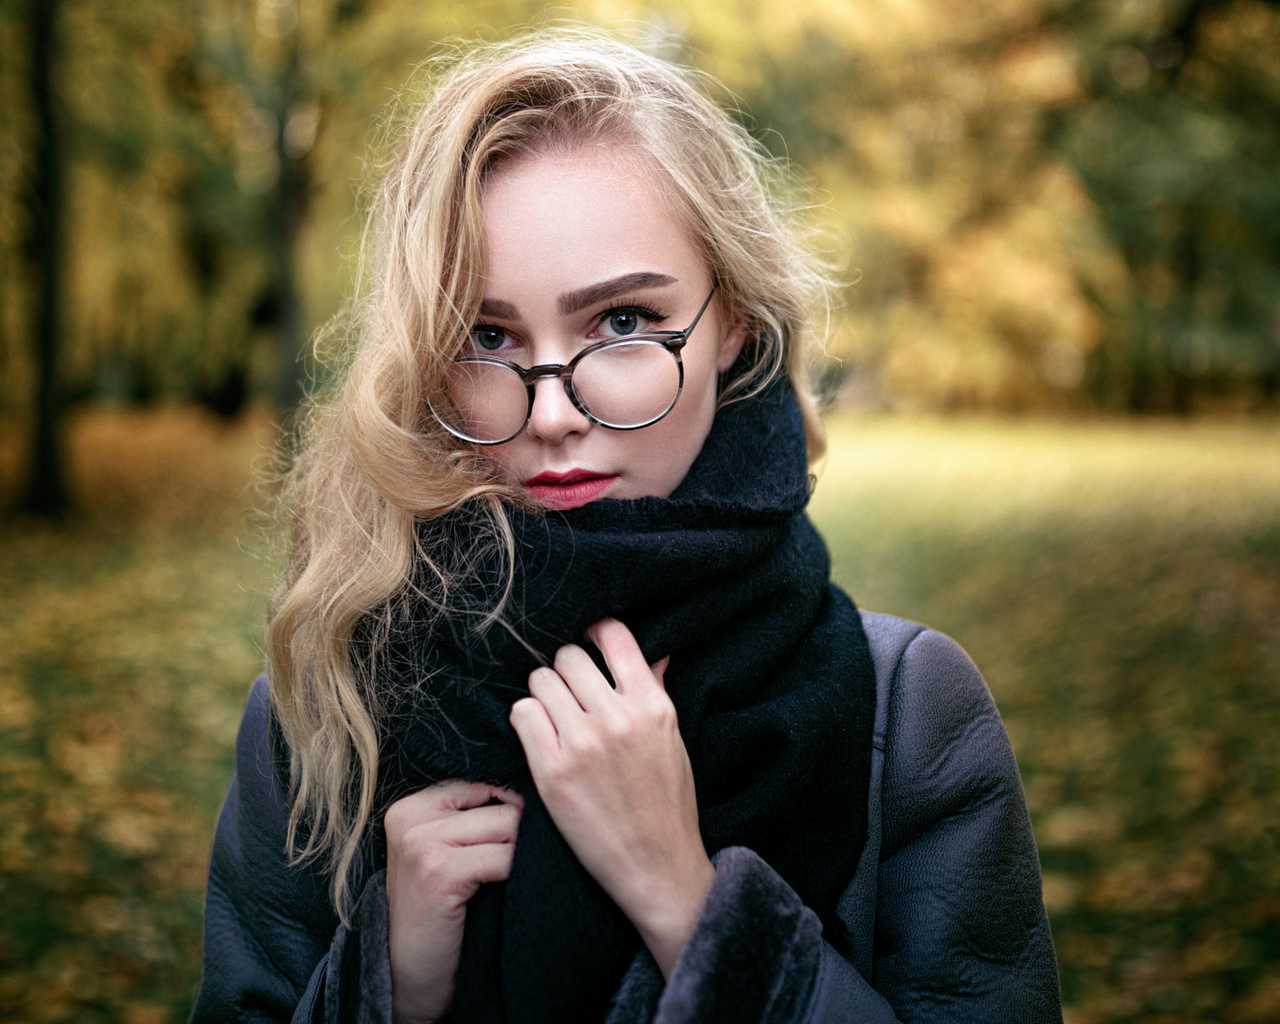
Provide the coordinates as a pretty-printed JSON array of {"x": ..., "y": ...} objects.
[{"x": 735, "y": 336}]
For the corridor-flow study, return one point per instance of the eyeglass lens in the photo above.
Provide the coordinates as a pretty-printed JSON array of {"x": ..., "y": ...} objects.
[{"x": 624, "y": 385}]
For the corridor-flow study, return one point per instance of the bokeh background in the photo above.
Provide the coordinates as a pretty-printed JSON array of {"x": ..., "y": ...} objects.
[{"x": 1054, "y": 386}]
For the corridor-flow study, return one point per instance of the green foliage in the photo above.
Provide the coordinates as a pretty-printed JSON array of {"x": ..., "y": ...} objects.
[
  {"x": 1036, "y": 203},
  {"x": 1048, "y": 200},
  {"x": 1178, "y": 145}
]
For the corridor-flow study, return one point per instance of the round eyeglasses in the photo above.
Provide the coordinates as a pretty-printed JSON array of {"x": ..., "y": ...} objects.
[{"x": 623, "y": 383}]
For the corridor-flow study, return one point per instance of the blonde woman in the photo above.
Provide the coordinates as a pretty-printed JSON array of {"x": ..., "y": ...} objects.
[{"x": 564, "y": 720}]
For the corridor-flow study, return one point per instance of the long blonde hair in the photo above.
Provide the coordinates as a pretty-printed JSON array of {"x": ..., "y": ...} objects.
[{"x": 374, "y": 470}]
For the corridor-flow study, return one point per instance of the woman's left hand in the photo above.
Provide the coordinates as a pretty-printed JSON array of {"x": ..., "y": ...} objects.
[{"x": 614, "y": 774}]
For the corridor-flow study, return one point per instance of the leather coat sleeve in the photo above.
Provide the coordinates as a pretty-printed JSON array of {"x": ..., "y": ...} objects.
[
  {"x": 945, "y": 912},
  {"x": 273, "y": 948}
]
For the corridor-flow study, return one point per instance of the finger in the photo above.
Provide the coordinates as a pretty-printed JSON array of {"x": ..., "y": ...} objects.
[
  {"x": 536, "y": 732},
  {"x": 441, "y": 800},
  {"x": 584, "y": 679},
  {"x": 490, "y": 863},
  {"x": 494, "y": 823},
  {"x": 550, "y": 689},
  {"x": 456, "y": 872},
  {"x": 659, "y": 670},
  {"x": 622, "y": 654},
  {"x": 461, "y": 794}
]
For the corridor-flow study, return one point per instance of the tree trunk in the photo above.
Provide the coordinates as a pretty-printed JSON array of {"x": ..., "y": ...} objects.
[
  {"x": 46, "y": 492},
  {"x": 292, "y": 194}
]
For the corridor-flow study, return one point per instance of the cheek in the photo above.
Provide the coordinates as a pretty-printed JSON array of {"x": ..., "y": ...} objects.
[
  {"x": 506, "y": 459},
  {"x": 684, "y": 432},
  {"x": 701, "y": 392}
]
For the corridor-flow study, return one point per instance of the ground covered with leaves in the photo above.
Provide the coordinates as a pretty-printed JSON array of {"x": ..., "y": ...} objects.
[
  {"x": 128, "y": 639},
  {"x": 1119, "y": 585}
]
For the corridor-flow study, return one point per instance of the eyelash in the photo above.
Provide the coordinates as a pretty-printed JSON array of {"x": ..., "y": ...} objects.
[
  {"x": 630, "y": 306},
  {"x": 639, "y": 309}
]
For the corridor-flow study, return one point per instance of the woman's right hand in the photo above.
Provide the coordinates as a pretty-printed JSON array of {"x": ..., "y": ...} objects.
[{"x": 443, "y": 842}]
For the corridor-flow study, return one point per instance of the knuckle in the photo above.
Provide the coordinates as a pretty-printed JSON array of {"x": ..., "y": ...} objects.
[
  {"x": 584, "y": 745},
  {"x": 557, "y": 773},
  {"x": 663, "y": 713},
  {"x": 394, "y": 820},
  {"x": 403, "y": 815},
  {"x": 656, "y": 709},
  {"x": 542, "y": 681},
  {"x": 622, "y": 730},
  {"x": 431, "y": 866},
  {"x": 613, "y": 634}
]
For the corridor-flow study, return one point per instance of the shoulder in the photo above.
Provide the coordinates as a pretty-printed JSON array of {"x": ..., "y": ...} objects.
[
  {"x": 959, "y": 925},
  {"x": 262, "y": 759},
  {"x": 251, "y": 863},
  {"x": 925, "y": 673},
  {"x": 944, "y": 745},
  {"x": 929, "y": 689},
  {"x": 268, "y": 919}
]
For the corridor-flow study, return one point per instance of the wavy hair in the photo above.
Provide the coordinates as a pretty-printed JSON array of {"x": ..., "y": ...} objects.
[{"x": 374, "y": 472}]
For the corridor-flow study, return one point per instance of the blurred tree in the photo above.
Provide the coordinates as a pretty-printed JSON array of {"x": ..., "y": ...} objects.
[
  {"x": 141, "y": 158},
  {"x": 305, "y": 83},
  {"x": 976, "y": 252},
  {"x": 287, "y": 63},
  {"x": 1049, "y": 202},
  {"x": 1178, "y": 142},
  {"x": 208, "y": 189},
  {"x": 46, "y": 492}
]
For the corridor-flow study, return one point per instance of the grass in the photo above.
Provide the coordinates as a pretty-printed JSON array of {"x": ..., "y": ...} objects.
[{"x": 1119, "y": 585}]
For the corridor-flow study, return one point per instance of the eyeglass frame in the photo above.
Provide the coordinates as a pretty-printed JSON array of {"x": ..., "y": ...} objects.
[{"x": 672, "y": 341}]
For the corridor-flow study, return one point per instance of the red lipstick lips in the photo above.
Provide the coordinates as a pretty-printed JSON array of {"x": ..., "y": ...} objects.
[{"x": 569, "y": 490}]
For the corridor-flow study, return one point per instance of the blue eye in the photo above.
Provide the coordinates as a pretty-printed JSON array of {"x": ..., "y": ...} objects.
[
  {"x": 628, "y": 319},
  {"x": 624, "y": 321},
  {"x": 488, "y": 339}
]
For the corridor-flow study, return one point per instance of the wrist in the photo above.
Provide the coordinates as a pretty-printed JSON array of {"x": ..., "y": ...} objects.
[
  {"x": 409, "y": 1014},
  {"x": 667, "y": 923},
  {"x": 401, "y": 1014},
  {"x": 416, "y": 1002}
]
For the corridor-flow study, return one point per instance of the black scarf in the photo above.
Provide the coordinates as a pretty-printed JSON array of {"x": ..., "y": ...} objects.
[{"x": 770, "y": 675}]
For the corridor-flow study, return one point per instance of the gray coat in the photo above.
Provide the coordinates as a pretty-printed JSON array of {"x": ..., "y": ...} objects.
[{"x": 944, "y": 909}]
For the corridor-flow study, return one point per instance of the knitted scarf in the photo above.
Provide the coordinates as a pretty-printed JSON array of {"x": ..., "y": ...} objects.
[{"x": 770, "y": 675}]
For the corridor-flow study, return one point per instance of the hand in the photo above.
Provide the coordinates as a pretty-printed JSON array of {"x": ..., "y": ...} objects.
[
  {"x": 614, "y": 774},
  {"x": 443, "y": 842}
]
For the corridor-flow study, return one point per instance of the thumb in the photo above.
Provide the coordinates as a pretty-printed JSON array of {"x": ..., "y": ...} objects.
[{"x": 659, "y": 669}]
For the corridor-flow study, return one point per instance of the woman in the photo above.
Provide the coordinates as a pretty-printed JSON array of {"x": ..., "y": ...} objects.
[{"x": 565, "y": 721}]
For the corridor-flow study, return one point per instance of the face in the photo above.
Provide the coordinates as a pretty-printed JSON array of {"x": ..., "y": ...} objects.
[{"x": 581, "y": 248}]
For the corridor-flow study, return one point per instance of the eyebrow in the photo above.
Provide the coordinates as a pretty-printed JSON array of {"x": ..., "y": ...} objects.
[
  {"x": 497, "y": 307},
  {"x": 571, "y": 302}
]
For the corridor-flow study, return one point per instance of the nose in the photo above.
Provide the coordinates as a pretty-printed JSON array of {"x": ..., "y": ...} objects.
[{"x": 554, "y": 416}]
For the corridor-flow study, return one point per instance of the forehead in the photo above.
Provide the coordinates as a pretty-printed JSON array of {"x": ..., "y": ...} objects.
[{"x": 574, "y": 208}]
